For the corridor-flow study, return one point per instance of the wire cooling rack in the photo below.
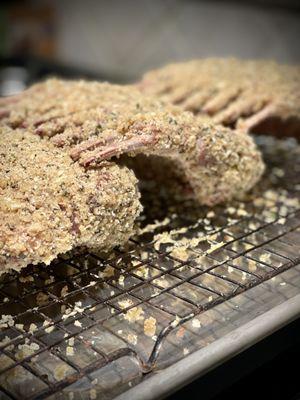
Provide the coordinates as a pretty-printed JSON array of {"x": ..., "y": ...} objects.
[{"x": 94, "y": 325}]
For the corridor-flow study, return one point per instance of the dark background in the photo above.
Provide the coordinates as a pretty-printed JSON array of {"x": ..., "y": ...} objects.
[
  {"x": 268, "y": 370},
  {"x": 118, "y": 40}
]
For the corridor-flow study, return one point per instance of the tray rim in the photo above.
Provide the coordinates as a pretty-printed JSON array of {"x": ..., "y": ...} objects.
[{"x": 198, "y": 363}]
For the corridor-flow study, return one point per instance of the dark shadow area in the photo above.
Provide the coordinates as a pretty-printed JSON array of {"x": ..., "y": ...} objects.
[{"x": 267, "y": 370}]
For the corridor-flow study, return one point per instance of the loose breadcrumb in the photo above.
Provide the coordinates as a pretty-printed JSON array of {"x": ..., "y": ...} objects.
[
  {"x": 50, "y": 329},
  {"x": 266, "y": 258},
  {"x": 134, "y": 314},
  {"x": 150, "y": 326},
  {"x": 196, "y": 323},
  {"x": 70, "y": 351},
  {"x": 132, "y": 338}
]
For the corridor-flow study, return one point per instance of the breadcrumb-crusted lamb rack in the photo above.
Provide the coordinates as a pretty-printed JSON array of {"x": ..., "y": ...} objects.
[
  {"x": 258, "y": 96},
  {"x": 49, "y": 204},
  {"x": 96, "y": 121}
]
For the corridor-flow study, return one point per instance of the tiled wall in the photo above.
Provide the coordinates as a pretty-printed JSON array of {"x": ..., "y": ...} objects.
[{"x": 127, "y": 37}]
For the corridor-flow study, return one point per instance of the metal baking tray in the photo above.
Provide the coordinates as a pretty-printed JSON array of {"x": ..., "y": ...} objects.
[{"x": 193, "y": 288}]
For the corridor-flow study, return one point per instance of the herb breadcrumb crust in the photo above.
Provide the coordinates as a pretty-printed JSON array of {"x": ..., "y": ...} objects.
[
  {"x": 261, "y": 96},
  {"x": 60, "y": 184},
  {"x": 97, "y": 121},
  {"x": 49, "y": 204}
]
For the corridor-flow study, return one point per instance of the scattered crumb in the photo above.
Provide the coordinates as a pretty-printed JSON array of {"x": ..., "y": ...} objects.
[
  {"x": 142, "y": 272},
  {"x": 210, "y": 214},
  {"x": 93, "y": 394},
  {"x": 283, "y": 210},
  {"x": 69, "y": 312},
  {"x": 32, "y": 328},
  {"x": 176, "y": 321},
  {"x": 132, "y": 338},
  {"x": 134, "y": 314},
  {"x": 162, "y": 238},
  {"x": 6, "y": 320},
  {"x": 265, "y": 257},
  {"x": 49, "y": 280},
  {"x": 144, "y": 255},
  {"x": 180, "y": 253},
  {"x": 125, "y": 303},
  {"x": 26, "y": 350},
  {"x": 25, "y": 279},
  {"x": 60, "y": 372},
  {"x": 196, "y": 323},
  {"x": 42, "y": 298},
  {"x": 49, "y": 329},
  {"x": 253, "y": 226},
  {"x": 271, "y": 195},
  {"x": 281, "y": 221},
  {"x": 215, "y": 247},
  {"x": 231, "y": 210},
  {"x": 121, "y": 280},
  {"x": 242, "y": 213},
  {"x": 78, "y": 323},
  {"x": 108, "y": 272},
  {"x": 135, "y": 263},
  {"x": 64, "y": 291},
  {"x": 185, "y": 351},
  {"x": 20, "y": 327},
  {"x": 152, "y": 227},
  {"x": 150, "y": 326},
  {"x": 252, "y": 266},
  {"x": 70, "y": 351},
  {"x": 278, "y": 172},
  {"x": 162, "y": 281}
]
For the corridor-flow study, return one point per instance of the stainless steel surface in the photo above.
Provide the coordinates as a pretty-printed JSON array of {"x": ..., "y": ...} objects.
[
  {"x": 165, "y": 382},
  {"x": 94, "y": 326}
]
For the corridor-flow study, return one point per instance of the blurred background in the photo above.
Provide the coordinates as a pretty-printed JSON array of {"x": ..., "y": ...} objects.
[{"x": 119, "y": 40}]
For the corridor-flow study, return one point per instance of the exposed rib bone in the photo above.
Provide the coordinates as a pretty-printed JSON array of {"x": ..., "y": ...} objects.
[
  {"x": 242, "y": 107},
  {"x": 255, "y": 119},
  {"x": 125, "y": 146},
  {"x": 91, "y": 144},
  {"x": 221, "y": 100},
  {"x": 196, "y": 100}
]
